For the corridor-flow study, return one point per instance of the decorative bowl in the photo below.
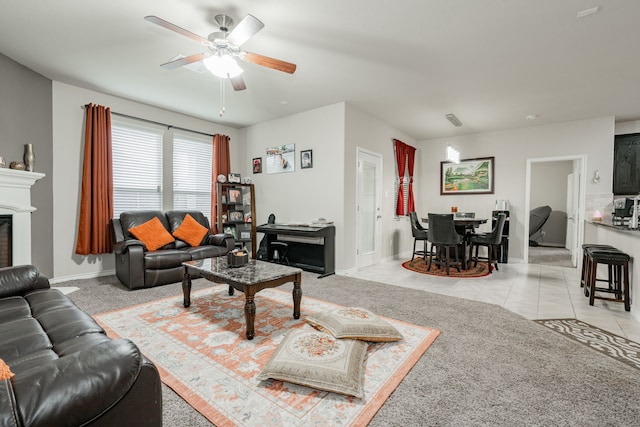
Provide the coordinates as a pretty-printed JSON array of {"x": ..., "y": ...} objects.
[{"x": 237, "y": 259}]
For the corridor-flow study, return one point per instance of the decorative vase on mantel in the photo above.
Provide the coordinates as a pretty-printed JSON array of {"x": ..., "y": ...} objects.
[{"x": 29, "y": 157}]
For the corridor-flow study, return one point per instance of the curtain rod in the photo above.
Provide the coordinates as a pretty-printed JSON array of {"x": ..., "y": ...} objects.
[{"x": 157, "y": 123}]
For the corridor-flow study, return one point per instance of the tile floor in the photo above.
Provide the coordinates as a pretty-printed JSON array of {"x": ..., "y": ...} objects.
[{"x": 531, "y": 290}]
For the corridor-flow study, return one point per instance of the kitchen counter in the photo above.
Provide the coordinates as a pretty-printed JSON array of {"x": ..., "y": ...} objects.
[
  {"x": 625, "y": 239},
  {"x": 621, "y": 228}
]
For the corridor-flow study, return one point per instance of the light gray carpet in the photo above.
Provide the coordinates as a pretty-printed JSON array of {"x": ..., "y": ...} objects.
[
  {"x": 488, "y": 367},
  {"x": 550, "y": 255}
]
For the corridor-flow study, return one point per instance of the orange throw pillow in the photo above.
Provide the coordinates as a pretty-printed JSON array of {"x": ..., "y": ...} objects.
[
  {"x": 190, "y": 231},
  {"x": 5, "y": 371},
  {"x": 152, "y": 233}
]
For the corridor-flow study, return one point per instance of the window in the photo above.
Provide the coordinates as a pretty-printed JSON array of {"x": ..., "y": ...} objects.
[
  {"x": 137, "y": 167},
  {"x": 192, "y": 173}
]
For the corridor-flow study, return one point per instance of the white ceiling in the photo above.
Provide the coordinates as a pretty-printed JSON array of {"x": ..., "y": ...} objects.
[{"x": 491, "y": 62}]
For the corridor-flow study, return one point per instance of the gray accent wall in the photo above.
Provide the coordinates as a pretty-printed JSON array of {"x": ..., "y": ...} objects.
[{"x": 26, "y": 117}]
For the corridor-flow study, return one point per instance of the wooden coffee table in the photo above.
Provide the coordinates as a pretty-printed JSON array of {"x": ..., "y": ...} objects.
[{"x": 250, "y": 279}]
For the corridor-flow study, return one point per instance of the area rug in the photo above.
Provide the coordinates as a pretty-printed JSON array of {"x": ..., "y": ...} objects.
[
  {"x": 612, "y": 345},
  {"x": 420, "y": 266},
  {"x": 203, "y": 355}
]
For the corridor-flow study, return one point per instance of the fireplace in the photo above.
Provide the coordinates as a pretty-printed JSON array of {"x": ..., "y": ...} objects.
[
  {"x": 15, "y": 216},
  {"x": 5, "y": 241}
]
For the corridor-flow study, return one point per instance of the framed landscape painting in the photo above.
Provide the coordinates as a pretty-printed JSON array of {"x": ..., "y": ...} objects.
[{"x": 470, "y": 176}]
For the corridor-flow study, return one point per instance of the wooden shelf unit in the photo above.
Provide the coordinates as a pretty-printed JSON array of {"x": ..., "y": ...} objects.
[{"x": 237, "y": 200}]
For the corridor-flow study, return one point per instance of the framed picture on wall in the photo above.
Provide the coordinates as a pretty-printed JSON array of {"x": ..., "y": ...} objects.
[
  {"x": 306, "y": 159},
  {"x": 281, "y": 158},
  {"x": 469, "y": 176},
  {"x": 257, "y": 165}
]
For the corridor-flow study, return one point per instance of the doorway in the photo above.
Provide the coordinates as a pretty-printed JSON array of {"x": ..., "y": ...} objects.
[
  {"x": 566, "y": 194},
  {"x": 369, "y": 214}
]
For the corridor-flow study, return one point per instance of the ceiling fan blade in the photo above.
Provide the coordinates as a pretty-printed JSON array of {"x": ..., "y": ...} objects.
[
  {"x": 238, "y": 83},
  {"x": 245, "y": 29},
  {"x": 172, "y": 65},
  {"x": 169, "y": 26},
  {"x": 268, "y": 62}
]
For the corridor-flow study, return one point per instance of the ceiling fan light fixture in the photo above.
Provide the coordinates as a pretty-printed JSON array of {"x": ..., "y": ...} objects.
[{"x": 223, "y": 66}]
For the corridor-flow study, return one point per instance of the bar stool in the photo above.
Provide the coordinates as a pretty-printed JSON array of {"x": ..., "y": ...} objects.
[
  {"x": 585, "y": 260},
  {"x": 618, "y": 264},
  {"x": 280, "y": 250}
]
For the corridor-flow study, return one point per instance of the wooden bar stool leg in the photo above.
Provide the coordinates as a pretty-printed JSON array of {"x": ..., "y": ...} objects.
[
  {"x": 627, "y": 296},
  {"x": 584, "y": 268},
  {"x": 592, "y": 280}
]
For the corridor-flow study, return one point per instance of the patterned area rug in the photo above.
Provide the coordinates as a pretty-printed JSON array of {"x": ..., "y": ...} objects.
[
  {"x": 419, "y": 266},
  {"x": 203, "y": 355},
  {"x": 605, "y": 342}
]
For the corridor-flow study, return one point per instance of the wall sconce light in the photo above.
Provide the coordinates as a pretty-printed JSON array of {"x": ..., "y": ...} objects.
[{"x": 596, "y": 176}]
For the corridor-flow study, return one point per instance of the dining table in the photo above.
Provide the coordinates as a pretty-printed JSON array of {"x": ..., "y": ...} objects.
[{"x": 464, "y": 226}]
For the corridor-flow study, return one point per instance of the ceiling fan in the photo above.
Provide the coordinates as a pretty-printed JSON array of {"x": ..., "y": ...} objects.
[{"x": 223, "y": 47}]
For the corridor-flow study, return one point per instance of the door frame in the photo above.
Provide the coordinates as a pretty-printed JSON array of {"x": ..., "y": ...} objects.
[
  {"x": 378, "y": 238},
  {"x": 579, "y": 166}
]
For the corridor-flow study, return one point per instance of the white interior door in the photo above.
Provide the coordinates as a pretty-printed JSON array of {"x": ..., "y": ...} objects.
[
  {"x": 369, "y": 212},
  {"x": 573, "y": 191}
]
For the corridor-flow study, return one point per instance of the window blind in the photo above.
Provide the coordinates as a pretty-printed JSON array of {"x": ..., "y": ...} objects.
[
  {"x": 192, "y": 173},
  {"x": 137, "y": 167}
]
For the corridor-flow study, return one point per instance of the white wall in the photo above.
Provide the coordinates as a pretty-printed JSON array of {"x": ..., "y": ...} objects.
[
  {"x": 305, "y": 194},
  {"x": 68, "y": 143},
  {"x": 546, "y": 184},
  {"x": 511, "y": 149}
]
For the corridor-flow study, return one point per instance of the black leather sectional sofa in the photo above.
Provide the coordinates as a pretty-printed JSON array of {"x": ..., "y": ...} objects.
[{"x": 67, "y": 372}]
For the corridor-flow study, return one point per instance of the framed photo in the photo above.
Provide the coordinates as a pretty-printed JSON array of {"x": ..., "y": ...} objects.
[
  {"x": 245, "y": 234},
  {"x": 236, "y": 216},
  {"x": 234, "y": 178},
  {"x": 257, "y": 165},
  {"x": 470, "y": 176},
  {"x": 230, "y": 229},
  {"x": 281, "y": 158},
  {"x": 306, "y": 159},
  {"x": 247, "y": 217},
  {"x": 235, "y": 195}
]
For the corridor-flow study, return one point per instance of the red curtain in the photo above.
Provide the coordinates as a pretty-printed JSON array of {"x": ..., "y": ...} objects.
[
  {"x": 221, "y": 165},
  {"x": 96, "y": 198},
  {"x": 405, "y": 156},
  {"x": 411, "y": 157}
]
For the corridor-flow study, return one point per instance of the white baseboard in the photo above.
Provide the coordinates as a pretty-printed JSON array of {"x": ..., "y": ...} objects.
[{"x": 82, "y": 276}]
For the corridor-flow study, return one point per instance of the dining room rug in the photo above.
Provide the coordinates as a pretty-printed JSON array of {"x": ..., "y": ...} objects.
[
  {"x": 420, "y": 266},
  {"x": 203, "y": 355},
  {"x": 612, "y": 345}
]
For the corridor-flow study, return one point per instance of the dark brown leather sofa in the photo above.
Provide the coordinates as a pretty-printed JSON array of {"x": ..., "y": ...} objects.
[
  {"x": 136, "y": 267},
  {"x": 67, "y": 371}
]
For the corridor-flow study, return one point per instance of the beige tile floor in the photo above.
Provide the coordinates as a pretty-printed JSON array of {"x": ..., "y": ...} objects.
[{"x": 530, "y": 290}]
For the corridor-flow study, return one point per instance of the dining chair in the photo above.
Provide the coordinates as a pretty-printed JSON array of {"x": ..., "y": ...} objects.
[
  {"x": 419, "y": 234},
  {"x": 491, "y": 240},
  {"x": 443, "y": 235}
]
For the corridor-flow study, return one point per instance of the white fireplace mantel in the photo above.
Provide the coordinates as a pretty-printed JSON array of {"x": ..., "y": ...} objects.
[{"x": 15, "y": 200}]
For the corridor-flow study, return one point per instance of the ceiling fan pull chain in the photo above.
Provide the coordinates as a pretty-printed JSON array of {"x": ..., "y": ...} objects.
[{"x": 223, "y": 109}]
